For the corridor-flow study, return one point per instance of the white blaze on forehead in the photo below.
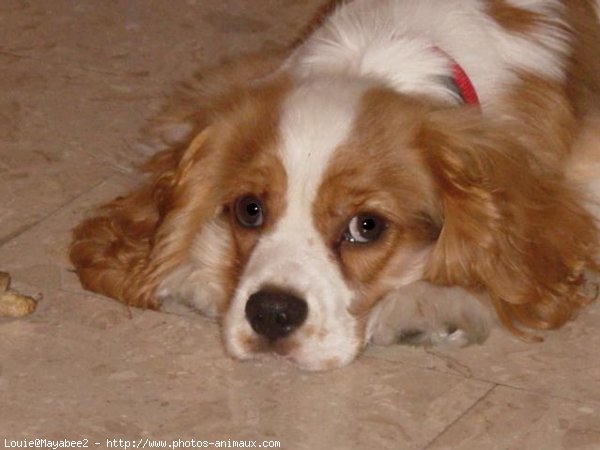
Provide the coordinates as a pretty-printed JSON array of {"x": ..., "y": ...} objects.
[{"x": 317, "y": 117}]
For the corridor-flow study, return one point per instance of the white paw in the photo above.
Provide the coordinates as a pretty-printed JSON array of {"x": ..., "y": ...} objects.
[
  {"x": 456, "y": 338},
  {"x": 449, "y": 337}
]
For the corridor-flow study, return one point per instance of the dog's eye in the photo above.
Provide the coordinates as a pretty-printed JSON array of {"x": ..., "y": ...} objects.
[
  {"x": 249, "y": 211},
  {"x": 364, "y": 228}
]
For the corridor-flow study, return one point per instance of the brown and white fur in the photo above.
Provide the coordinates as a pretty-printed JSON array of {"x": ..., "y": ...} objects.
[{"x": 486, "y": 213}]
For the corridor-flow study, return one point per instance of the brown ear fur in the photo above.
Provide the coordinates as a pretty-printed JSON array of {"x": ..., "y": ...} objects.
[
  {"x": 510, "y": 226},
  {"x": 137, "y": 239}
]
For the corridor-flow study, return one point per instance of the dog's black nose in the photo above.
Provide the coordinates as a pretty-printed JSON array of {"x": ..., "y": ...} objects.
[{"x": 275, "y": 314}]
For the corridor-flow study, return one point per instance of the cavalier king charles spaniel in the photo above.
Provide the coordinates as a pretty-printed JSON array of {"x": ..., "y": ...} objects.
[{"x": 408, "y": 171}]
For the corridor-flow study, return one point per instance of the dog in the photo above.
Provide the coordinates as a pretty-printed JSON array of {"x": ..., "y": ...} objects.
[{"x": 409, "y": 171}]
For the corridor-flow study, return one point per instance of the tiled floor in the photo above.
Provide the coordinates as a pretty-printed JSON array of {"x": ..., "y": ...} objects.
[{"x": 77, "y": 80}]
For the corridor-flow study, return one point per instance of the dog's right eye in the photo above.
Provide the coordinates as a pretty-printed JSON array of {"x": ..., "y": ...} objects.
[{"x": 249, "y": 211}]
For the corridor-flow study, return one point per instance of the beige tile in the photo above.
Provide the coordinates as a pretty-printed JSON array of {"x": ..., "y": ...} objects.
[
  {"x": 39, "y": 256},
  {"x": 509, "y": 419},
  {"x": 566, "y": 364},
  {"x": 34, "y": 184},
  {"x": 88, "y": 367}
]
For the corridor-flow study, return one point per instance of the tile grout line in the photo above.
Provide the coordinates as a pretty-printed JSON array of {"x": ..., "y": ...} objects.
[
  {"x": 497, "y": 383},
  {"x": 15, "y": 234},
  {"x": 460, "y": 417},
  {"x": 541, "y": 394}
]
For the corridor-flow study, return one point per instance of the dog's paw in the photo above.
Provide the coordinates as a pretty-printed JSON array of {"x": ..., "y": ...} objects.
[{"x": 425, "y": 315}]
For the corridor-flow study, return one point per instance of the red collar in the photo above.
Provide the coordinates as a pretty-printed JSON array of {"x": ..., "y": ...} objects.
[
  {"x": 464, "y": 86},
  {"x": 463, "y": 83}
]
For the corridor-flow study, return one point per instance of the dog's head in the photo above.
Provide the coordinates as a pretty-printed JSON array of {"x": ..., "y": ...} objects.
[
  {"x": 320, "y": 204},
  {"x": 299, "y": 205}
]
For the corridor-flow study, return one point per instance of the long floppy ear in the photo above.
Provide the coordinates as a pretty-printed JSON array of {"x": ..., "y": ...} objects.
[
  {"x": 135, "y": 240},
  {"x": 510, "y": 226}
]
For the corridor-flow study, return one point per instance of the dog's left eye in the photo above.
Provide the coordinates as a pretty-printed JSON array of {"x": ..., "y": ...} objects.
[
  {"x": 249, "y": 211},
  {"x": 364, "y": 228}
]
